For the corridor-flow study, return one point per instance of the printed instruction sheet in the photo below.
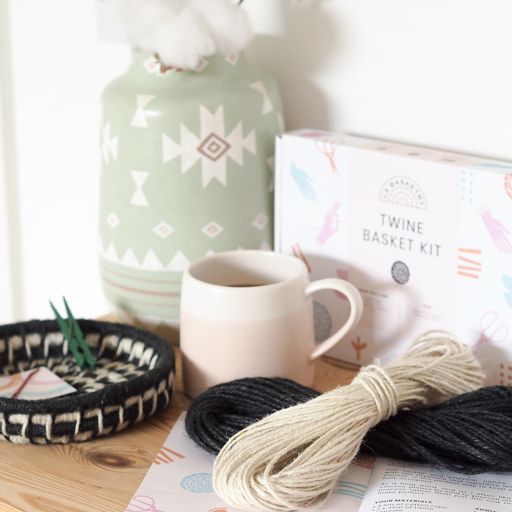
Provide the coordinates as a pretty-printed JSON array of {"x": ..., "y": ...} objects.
[
  {"x": 404, "y": 487},
  {"x": 180, "y": 478}
]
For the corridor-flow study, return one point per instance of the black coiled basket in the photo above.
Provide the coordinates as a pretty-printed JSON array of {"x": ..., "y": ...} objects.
[{"x": 133, "y": 380}]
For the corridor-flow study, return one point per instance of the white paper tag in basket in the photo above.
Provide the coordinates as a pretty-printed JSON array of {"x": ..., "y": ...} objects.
[{"x": 35, "y": 384}]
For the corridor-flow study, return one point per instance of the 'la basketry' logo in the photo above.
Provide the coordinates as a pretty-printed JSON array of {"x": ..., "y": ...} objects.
[{"x": 404, "y": 192}]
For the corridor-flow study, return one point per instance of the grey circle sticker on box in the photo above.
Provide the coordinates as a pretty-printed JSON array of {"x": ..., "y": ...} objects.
[
  {"x": 400, "y": 272},
  {"x": 323, "y": 322}
]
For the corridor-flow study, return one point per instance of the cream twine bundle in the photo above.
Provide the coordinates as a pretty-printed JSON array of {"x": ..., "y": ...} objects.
[{"x": 293, "y": 458}]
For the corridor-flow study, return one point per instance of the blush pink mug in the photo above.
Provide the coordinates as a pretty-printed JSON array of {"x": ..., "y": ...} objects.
[{"x": 249, "y": 314}]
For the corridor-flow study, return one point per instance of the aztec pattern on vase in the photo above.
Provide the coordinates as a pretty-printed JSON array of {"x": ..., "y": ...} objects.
[{"x": 187, "y": 169}]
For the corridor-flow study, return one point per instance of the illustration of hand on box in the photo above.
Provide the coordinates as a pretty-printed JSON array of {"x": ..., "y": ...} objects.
[
  {"x": 497, "y": 231},
  {"x": 330, "y": 225}
]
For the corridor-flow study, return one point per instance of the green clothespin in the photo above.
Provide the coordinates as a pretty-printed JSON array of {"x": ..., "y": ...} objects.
[
  {"x": 66, "y": 332},
  {"x": 76, "y": 341},
  {"x": 78, "y": 335}
]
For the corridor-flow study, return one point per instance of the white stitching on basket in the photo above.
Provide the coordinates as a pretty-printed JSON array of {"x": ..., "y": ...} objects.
[{"x": 109, "y": 372}]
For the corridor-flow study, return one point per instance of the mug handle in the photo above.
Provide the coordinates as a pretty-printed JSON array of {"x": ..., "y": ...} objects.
[{"x": 356, "y": 310}]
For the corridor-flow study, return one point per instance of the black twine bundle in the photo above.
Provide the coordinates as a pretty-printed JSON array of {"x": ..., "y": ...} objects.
[{"x": 471, "y": 433}]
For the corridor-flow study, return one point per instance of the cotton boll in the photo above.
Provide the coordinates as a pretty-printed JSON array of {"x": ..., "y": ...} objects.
[
  {"x": 183, "y": 32},
  {"x": 184, "y": 42},
  {"x": 228, "y": 24},
  {"x": 142, "y": 19}
]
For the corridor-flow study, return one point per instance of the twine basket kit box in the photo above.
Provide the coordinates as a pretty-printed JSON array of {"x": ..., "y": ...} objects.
[{"x": 425, "y": 235}]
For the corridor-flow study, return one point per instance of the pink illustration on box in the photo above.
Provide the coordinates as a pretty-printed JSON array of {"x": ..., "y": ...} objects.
[
  {"x": 142, "y": 504},
  {"x": 330, "y": 225},
  {"x": 491, "y": 330},
  {"x": 497, "y": 231}
]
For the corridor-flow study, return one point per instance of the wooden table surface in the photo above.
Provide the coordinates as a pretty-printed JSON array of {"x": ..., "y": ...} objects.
[{"x": 101, "y": 475}]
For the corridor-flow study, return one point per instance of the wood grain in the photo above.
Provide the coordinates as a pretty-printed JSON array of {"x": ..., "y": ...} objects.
[{"x": 101, "y": 475}]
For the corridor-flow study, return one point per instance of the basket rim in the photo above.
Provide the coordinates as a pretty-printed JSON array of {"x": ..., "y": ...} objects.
[{"x": 111, "y": 394}]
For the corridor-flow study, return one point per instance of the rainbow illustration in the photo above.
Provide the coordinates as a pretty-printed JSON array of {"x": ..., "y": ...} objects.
[
  {"x": 353, "y": 489},
  {"x": 403, "y": 191}
]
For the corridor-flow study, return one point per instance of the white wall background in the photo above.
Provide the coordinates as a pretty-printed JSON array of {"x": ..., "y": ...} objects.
[
  {"x": 8, "y": 298},
  {"x": 429, "y": 72},
  {"x": 58, "y": 71}
]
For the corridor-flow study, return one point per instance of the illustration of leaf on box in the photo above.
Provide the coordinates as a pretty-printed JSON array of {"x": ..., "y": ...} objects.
[
  {"x": 507, "y": 281},
  {"x": 304, "y": 182}
]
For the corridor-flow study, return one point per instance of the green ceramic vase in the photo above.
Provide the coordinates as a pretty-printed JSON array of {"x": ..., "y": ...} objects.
[{"x": 187, "y": 170}]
